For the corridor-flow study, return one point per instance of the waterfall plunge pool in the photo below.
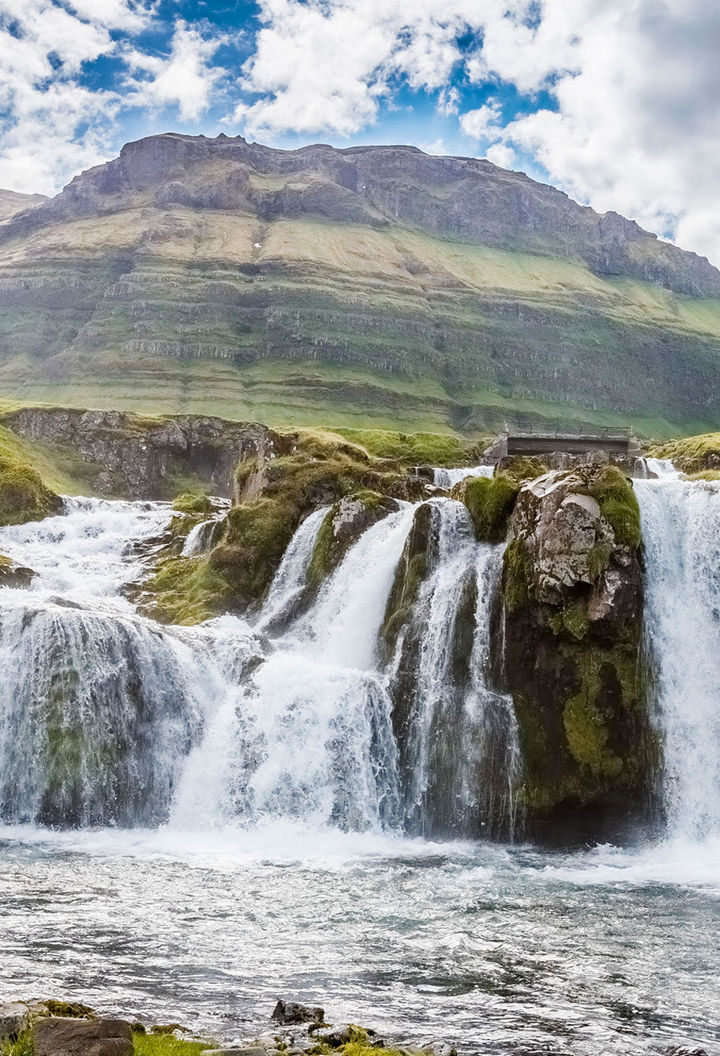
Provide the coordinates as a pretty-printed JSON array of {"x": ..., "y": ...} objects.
[{"x": 238, "y": 896}]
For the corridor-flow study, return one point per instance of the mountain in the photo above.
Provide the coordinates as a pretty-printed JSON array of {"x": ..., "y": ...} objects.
[
  {"x": 365, "y": 286},
  {"x": 13, "y": 202}
]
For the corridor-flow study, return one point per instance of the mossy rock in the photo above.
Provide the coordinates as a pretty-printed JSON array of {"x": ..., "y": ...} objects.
[
  {"x": 490, "y": 501},
  {"x": 193, "y": 503},
  {"x": 410, "y": 573},
  {"x": 23, "y": 495},
  {"x": 520, "y": 468},
  {"x": 618, "y": 504},
  {"x": 342, "y": 526},
  {"x": 691, "y": 454}
]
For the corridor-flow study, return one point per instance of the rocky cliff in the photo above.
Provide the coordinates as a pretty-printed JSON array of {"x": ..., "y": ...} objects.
[{"x": 372, "y": 284}]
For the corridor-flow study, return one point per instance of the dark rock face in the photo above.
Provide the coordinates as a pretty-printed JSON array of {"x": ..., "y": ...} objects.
[
  {"x": 137, "y": 458},
  {"x": 14, "y": 576},
  {"x": 57, "y": 1036},
  {"x": 480, "y": 202},
  {"x": 572, "y": 590},
  {"x": 293, "y": 1012}
]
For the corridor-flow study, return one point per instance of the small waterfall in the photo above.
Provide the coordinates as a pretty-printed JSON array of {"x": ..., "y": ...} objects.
[
  {"x": 459, "y": 739},
  {"x": 290, "y": 578},
  {"x": 681, "y": 531},
  {"x": 448, "y": 478},
  {"x": 310, "y": 734}
]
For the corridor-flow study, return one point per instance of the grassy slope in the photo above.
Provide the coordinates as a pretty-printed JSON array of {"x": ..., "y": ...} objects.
[{"x": 366, "y": 328}]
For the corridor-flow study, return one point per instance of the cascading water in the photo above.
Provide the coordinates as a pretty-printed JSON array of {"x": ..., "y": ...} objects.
[
  {"x": 454, "y": 727},
  {"x": 447, "y": 478},
  {"x": 681, "y": 532},
  {"x": 109, "y": 718}
]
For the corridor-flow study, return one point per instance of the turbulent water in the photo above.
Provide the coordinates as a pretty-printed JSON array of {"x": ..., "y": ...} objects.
[{"x": 246, "y": 827}]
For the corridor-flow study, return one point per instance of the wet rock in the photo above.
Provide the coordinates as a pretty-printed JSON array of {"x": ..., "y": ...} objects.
[
  {"x": 293, "y": 1012},
  {"x": 60, "y": 1036},
  {"x": 14, "y": 576},
  {"x": 14, "y": 1017},
  {"x": 343, "y": 525},
  {"x": 573, "y": 659},
  {"x": 238, "y": 1050},
  {"x": 335, "y": 1036}
]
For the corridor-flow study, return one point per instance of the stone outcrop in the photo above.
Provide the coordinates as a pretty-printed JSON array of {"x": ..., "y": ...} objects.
[
  {"x": 572, "y": 593},
  {"x": 127, "y": 456}
]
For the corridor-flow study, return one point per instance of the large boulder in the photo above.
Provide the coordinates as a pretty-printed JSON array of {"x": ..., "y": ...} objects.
[
  {"x": 14, "y": 1018},
  {"x": 342, "y": 526},
  {"x": 572, "y": 594},
  {"x": 63, "y": 1036}
]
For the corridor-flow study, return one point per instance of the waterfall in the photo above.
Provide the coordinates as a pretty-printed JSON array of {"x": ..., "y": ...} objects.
[
  {"x": 681, "y": 531},
  {"x": 448, "y": 478},
  {"x": 289, "y": 580},
  {"x": 459, "y": 738},
  {"x": 107, "y": 718}
]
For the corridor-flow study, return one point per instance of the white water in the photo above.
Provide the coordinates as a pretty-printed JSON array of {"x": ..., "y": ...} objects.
[
  {"x": 447, "y": 478},
  {"x": 681, "y": 530},
  {"x": 283, "y": 869}
]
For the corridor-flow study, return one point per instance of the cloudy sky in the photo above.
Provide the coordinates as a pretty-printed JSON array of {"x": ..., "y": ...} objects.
[{"x": 615, "y": 101}]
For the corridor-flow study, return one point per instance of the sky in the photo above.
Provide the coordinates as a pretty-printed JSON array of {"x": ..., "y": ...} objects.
[{"x": 617, "y": 102}]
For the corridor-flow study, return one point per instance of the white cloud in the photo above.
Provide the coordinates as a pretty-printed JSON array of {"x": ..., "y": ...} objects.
[
  {"x": 51, "y": 125},
  {"x": 483, "y": 123},
  {"x": 185, "y": 77},
  {"x": 326, "y": 64},
  {"x": 637, "y": 121}
]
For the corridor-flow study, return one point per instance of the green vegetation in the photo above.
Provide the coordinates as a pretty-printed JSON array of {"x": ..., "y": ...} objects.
[
  {"x": 166, "y": 1044},
  {"x": 523, "y": 467},
  {"x": 692, "y": 454},
  {"x": 516, "y": 576},
  {"x": 490, "y": 501},
  {"x": 409, "y": 575},
  {"x": 428, "y": 449},
  {"x": 23, "y": 495},
  {"x": 192, "y": 503},
  {"x": 618, "y": 504}
]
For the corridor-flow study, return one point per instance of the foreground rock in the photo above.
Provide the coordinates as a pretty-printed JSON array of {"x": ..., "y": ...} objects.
[{"x": 58, "y": 1036}]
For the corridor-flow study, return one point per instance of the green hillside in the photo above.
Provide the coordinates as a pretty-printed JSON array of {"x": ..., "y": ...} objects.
[{"x": 204, "y": 284}]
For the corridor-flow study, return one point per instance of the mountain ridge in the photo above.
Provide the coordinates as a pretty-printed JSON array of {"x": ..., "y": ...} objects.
[{"x": 361, "y": 286}]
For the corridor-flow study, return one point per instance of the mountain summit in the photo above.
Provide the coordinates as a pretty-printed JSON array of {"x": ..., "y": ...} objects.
[{"x": 369, "y": 285}]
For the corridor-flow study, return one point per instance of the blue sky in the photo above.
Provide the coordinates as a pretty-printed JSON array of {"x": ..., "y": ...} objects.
[{"x": 616, "y": 103}]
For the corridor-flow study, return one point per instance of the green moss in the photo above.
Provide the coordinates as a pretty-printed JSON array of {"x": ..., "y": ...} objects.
[
  {"x": 320, "y": 562},
  {"x": 74, "y": 1009},
  {"x": 710, "y": 475},
  {"x": 23, "y": 495},
  {"x": 192, "y": 503},
  {"x": 587, "y": 734},
  {"x": 184, "y": 590},
  {"x": 516, "y": 589},
  {"x": 490, "y": 501},
  {"x": 571, "y": 618},
  {"x": 523, "y": 467},
  {"x": 434, "y": 449},
  {"x": 618, "y": 504}
]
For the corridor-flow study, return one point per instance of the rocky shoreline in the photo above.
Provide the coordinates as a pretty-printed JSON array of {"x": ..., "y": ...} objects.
[{"x": 64, "y": 1028}]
